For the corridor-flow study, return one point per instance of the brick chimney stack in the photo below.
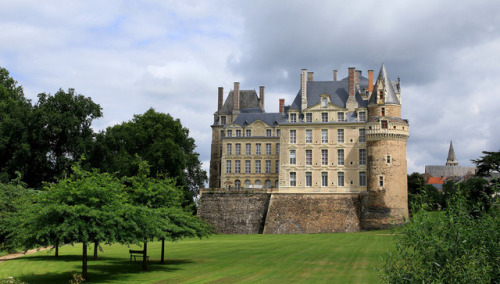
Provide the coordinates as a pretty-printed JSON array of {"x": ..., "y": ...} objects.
[
  {"x": 351, "y": 81},
  {"x": 334, "y": 75},
  {"x": 370, "y": 81},
  {"x": 310, "y": 76},
  {"x": 357, "y": 74},
  {"x": 236, "y": 96},
  {"x": 221, "y": 97},
  {"x": 282, "y": 104},
  {"x": 261, "y": 95}
]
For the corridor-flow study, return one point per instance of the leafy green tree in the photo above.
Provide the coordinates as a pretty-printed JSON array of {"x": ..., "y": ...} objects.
[
  {"x": 450, "y": 247},
  {"x": 61, "y": 134},
  {"x": 15, "y": 112},
  {"x": 415, "y": 183},
  {"x": 87, "y": 207},
  {"x": 158, "y": 139}
]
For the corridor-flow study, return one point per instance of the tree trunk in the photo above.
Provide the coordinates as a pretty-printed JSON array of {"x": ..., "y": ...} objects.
[
  {"x": 84, "y": 262},
  {"x": 162, "y": 261},
  {"x": 57, "y": 250},
  {"x": 144, "y": 256},
  {"x": 96, "y": 246}
]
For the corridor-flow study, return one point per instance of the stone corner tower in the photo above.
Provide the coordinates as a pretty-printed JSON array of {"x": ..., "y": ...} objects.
[{"x": 386, "y": 201}]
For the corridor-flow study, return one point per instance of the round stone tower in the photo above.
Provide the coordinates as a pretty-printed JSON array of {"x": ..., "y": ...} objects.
[{"x": 386, "y": 203}]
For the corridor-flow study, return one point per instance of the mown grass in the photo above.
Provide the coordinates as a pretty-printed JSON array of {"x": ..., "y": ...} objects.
[{"x": 316, "y": 258}]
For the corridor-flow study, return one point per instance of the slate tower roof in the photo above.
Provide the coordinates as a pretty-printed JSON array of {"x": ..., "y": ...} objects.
[{"x": 384, "y": 83}]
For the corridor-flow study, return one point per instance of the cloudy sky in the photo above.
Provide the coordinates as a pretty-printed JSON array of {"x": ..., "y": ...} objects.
[{"x": 129, "y": 56}]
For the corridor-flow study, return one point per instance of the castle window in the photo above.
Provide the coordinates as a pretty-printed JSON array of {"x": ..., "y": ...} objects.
[
  {"x": 293, "y": 158},
  {"x": 257, "y": 149},
  {"x": 309, "y": 157},
  {"x": 324, "y": 135},
  {"x": 268, "y": 183},
  {"x": 388, "y": 158},
  {"x": 237, "y": 166},
  {"x": 340, "y": 157},
  {"x": 257, "y": 167},
  {"x": 229, "y": 147},
  {"x": 247, "y": 183},
  {"x": 293, "y": 117},
  {"x": 278, "y": 133},
  {"x": 293, "y": 178},
  {"x": 248, "y": 133},
  {"x": 277, "y": 148},
  {"x": 362, "y": 135},
  {"x": 247, "y": 167},
  {"x": 268, "y": 166},
  {"x": 324, "y": 157},
  {"x": 309, "y": 117},
  {"x": 309, "y": 136},
  {"x": 277, "y": 168},
  {"x": 340, "y": 179},
  {"x": 308, "y": 179},
  {"x": 382, "y": 111},
  {"x": 324, "y": 117},
  {"x": 276, "y": 183},
  {"x": 257, "y": 182},
  {"x": 362, "y": 178},
  {"x": 238, "y": 133},
  {"x": 228, "y": 166},
  {"x": 362, "y": 156},
  {"x": 384, "y": 124},
  {"x": 222, "y": 133},
  {"x": 238, "y": 149},
  {"x": 324, "y": 102},
  {"x": 381, "y": 181},
  {"x": 268, "y": 132},
  {"x": 324, "y": 179},
  {"x": 268, "y": 148},
  {"x": 293, "y": 136},
  {"x": 237, "y": 184},
  {"x": 340, "y": 135},
  {"x": 248, "y": 148},
  {"x": 229, "y": 133},
  {"x": 340, "y": 116},
  {"x": 362, "y": 116},
  {"x": 222, "y": 120}
]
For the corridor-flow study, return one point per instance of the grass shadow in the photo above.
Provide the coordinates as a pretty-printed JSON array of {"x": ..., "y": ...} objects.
[{"x": 105, "y": 269}]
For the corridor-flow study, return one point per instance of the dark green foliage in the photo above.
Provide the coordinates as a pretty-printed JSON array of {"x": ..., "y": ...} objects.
[
  {"x": 447, "y": 247},
  {"x": 415, "y": 183},
  {"x": 158, "y": 139}
]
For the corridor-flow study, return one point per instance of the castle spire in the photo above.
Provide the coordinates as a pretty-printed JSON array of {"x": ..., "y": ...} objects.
[
  {"x": 383, "y": 91},
  {"x": 451, "y": 160}
]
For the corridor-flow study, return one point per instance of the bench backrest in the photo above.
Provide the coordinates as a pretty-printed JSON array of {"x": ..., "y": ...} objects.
[{"x": 136, "y": 251}]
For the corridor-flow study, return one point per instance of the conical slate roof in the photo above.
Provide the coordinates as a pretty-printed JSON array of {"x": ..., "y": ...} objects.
[
  {"x": 451, "y": 160},
  {"x": 383, "y": 82}
]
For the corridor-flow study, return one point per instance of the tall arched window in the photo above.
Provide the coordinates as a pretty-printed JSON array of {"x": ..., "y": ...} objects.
[
  {"x": 247, "y": 183},
  {"x": 268, "y": 184},
  {"x": 237, "y": 184}
]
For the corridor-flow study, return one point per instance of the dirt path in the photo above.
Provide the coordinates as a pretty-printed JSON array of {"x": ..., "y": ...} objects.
[{"x": 19, "y": 254}]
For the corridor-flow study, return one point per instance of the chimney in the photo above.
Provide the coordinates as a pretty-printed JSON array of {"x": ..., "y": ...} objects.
[
  {"x": 261, "y": 93},
  {"x": 303, "y": 88},
  {"x": 221, "y": 96},
  {"x": 370, "y": 81},
  {"x": 236, "y": 96},
  {"x": 357, "y": 74},
  {"x": 351, "y": 81},
  {"x": 310, "y": 76},
  {"x": 334, "y": 75},
  {"x": 282, "y": 104}
]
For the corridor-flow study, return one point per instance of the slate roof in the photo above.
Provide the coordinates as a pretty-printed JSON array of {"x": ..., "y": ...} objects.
[
  {"x": 248, "y": 100},
  {"x": 451, "y": 154},
  {"x": 248, "y": 118},
  {"x": 449, "y": 171},
  {"x": 337, "y": 90},
  {"x": 382, "y": 81}
]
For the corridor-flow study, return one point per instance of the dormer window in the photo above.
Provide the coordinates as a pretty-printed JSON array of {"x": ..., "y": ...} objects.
[
  {"x": 362, "y": 116},
  {"x": 238, "y": 133},
  {"x": 222, "y": 120},
  {"x": 324, "y": 102},
  {"x": 340, "y": 116},
  {"x": 309, "y": 117},
  {"x": 293, "y": 117},
  {"x": 229, "y": 133}
]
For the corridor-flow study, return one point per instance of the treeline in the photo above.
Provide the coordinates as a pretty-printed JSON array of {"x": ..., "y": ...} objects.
[{"x": 41, "y": 141}]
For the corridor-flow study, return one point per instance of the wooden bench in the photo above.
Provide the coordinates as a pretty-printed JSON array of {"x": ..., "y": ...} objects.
[{"x": 137, "y": 253}]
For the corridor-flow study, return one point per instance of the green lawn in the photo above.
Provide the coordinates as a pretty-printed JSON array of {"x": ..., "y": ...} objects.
[{"x": 317, "y": 258}]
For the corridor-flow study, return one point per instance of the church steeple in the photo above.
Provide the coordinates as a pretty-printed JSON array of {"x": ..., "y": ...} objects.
[{"x": 451, "y": 160}]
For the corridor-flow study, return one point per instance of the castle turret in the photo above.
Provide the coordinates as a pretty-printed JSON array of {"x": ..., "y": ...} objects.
[{"x": 387, "y": 200}]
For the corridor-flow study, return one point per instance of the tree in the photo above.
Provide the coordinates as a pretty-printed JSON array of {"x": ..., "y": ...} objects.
[
  {"x": 61, "y": 134},
  {"x": 15, "y": 112},
  {"x": 158, "y": 139},
  {"x": 488, "y": 164},
  {"x": 87, "y": 207}
]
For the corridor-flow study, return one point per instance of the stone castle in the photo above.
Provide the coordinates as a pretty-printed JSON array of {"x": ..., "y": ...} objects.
[{"x": 334, "y": 160}]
